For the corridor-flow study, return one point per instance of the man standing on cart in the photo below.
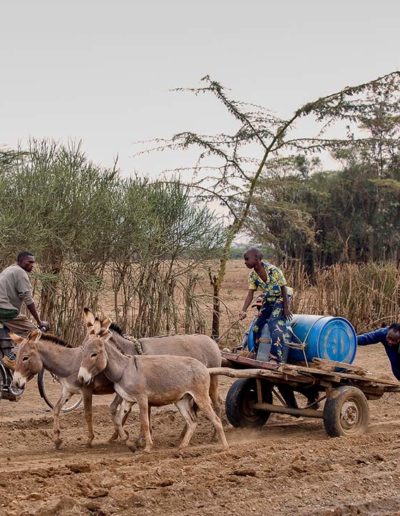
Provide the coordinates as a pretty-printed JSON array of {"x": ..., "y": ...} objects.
[{"x": 275, "y": 310}]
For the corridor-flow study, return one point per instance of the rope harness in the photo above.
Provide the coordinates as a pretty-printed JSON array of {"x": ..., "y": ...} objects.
[{"x": 136, "y": 343}]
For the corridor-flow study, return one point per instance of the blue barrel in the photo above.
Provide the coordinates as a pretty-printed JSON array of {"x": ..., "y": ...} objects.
[
  {"x": 250, "y": 336},
  {"x": 325, "y": 336}
]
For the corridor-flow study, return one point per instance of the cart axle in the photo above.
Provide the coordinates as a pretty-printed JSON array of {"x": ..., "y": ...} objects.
[{"x": 291, "y": 411}]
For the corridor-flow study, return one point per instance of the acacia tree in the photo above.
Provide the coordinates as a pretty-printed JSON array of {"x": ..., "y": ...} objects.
[
  {"x": 348, "y": 215},
  {"x": 230, "y": 166}
]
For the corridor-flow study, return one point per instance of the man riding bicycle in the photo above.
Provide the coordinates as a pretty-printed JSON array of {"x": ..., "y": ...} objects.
[{"x": 15, "y": 289}]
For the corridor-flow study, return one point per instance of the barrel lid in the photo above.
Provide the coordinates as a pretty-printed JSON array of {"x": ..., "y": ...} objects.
[{"x": 337, "y": 340}]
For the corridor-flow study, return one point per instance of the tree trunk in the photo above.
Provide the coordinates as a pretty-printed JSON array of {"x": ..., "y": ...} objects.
[{"x": 216, "y": 307}]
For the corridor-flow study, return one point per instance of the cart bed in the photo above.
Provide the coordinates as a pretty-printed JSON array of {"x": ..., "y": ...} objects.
[{"x": 321, "y": 372}]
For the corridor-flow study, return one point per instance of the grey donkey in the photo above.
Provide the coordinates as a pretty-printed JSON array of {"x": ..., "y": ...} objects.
[{"x": 150, "y": 381}]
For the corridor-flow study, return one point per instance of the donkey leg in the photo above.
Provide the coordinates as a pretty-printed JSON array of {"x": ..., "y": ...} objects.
[
  {"x": 214, "y": 394},
  {"x": 127, "y": 412},
  {"x": 185, "y": 407},
  {"x": 113, "y": 410},
  {"x": 141, "y": 441},
  {"x": 119, "y": 417},
  {"x": 65, "y": 396},
  {"x": 194, "y": 414},
  {"x": 87, "y": 404},
  {"x": 183, "y": 433},
  {"x": 143, "y": 403},
  {"x": 204, "y": 403},
  {"x": 215, "y": 398}
]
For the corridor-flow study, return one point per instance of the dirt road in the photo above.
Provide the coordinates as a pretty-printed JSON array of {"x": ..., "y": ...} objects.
[{"x": 290, "y": 466}]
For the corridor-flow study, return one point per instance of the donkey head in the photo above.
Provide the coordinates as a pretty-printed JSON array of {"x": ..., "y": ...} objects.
[
  {"x": 94, "y": 356},
  {"x": 28, "y": 361}
]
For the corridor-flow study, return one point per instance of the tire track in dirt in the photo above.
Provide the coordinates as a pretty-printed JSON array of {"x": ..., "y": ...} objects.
[{"x": 285, "y": 468}]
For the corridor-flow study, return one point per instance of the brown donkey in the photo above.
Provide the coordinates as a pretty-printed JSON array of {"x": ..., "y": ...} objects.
[
  {"x": 150, "y": 381},
  {"x": 39, "y": 351},
  {"x": 199, "y": 346}
]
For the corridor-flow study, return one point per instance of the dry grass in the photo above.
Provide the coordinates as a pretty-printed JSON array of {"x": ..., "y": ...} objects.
[{"x": 368, "y": 295}]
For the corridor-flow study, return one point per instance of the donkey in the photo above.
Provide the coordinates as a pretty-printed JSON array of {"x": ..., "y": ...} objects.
[
  {"x": 150, "y": 381},
  {"x": 199, "y": 346},
  {"x": 45, "y": 350}
]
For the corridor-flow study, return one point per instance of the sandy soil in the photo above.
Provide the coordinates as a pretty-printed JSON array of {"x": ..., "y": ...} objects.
[{"x": 290, "y": 466}]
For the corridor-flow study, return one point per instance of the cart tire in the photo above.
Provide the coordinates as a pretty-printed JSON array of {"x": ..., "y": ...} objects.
[
  {"x": 240, "y": 400},
  {"x": 43, "y": 378},
  {"x": 346, "y": 412}
]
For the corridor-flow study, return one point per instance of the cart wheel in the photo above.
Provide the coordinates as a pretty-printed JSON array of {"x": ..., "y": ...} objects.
[
  {"x": 239, "y": 403},
  {"x": 346, "y": 412},
  {"x": 48, "y": 385}
]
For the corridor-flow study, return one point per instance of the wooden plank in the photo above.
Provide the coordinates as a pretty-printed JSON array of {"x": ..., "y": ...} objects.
[
  {"x": 309, "y": 370},
  {"x": 239, "y": 359},
  {"x": 272, "y": 371},
  {"x": 369, "y": 378},
  {"x": 274, "y": 376},
  {"x": 291, "y": 373},
  {"x": 330, "y": 365},
  {"x": 291, "y": 369},
  {"x": 342, "y": 375}
]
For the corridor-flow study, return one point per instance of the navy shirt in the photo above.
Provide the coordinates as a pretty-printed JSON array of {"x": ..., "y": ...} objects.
[{"x": 374, "y": 337}]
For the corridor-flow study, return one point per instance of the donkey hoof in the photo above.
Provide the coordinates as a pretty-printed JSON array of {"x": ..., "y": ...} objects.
[
  {"x": 57, "y": 443},
  {"x": 140, "y": 442},
  {"x": 124, "y": 436},
  {"x": 89, "y": 444},
  {"x": 113, "y": 438},
  {"x": 131, "y": 446}
]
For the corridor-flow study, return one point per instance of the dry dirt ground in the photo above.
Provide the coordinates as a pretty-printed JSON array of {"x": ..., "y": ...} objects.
[{"x": 290, "y": 466}]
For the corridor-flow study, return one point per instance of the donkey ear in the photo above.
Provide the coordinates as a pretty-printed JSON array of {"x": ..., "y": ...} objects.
[
  {"x": 105, "y": 324},
  {"x": 17, "y": 339},
  {"x": 34, "y": 336},
  {"x": 88, "y": 317},
  {"x": 97, "y": 326}
]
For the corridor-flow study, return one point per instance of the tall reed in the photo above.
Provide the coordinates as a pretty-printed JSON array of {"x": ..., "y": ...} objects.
[{"x": 368, "y": 295}]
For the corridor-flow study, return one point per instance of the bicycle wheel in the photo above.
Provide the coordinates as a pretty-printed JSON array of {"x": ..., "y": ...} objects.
[
  {"x": 7, "y": 391},
  {"x": 50, "y": 388}
]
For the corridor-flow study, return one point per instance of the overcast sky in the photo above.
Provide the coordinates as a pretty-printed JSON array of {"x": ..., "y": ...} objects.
[{"x": 102, "y": 71}]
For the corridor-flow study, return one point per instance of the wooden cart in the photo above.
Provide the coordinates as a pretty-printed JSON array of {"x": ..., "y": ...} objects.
[{"x": 345, "y": 389}]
